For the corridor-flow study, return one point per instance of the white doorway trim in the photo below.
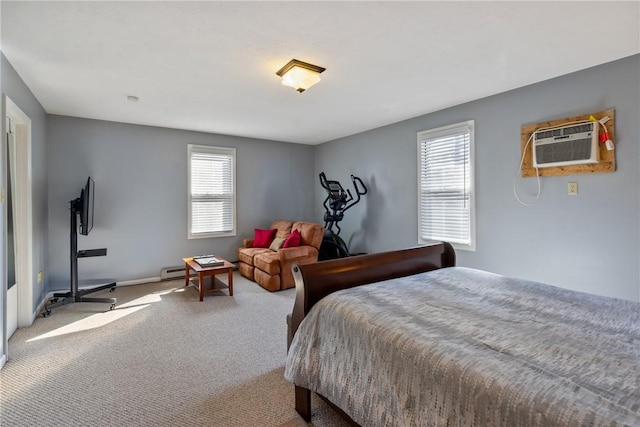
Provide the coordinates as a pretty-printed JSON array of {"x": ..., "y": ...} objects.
[
  {"x": 24, "y": 214},
  {"x": 11, "y": 319}
]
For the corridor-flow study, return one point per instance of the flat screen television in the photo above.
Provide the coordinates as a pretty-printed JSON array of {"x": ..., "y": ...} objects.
[{"x": 86, "y": 207}]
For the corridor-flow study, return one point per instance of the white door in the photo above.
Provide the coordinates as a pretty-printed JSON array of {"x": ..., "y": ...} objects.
[{"x": 12, "y": 289}]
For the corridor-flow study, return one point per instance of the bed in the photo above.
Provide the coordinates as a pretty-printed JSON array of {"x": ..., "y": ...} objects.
[{"x": 407, "y": 338}]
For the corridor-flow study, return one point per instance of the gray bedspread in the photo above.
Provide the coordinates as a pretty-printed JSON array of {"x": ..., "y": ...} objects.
[{"x": 463, "y": 347}]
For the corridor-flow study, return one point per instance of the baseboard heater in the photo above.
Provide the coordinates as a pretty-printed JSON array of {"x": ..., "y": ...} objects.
[{"x": 172, "y": 272}]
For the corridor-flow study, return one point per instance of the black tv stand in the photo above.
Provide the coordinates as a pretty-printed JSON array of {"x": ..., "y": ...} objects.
[{"x": 75, "y": 294}]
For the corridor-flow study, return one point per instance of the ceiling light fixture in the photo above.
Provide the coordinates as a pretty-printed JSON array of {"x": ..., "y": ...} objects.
[{"x": 300, "y": 75}]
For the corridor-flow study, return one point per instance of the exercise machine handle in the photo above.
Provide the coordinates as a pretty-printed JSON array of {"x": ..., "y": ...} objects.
[
  {"x": 357, "y": 180},
  {"x": 323, "y": 181}
]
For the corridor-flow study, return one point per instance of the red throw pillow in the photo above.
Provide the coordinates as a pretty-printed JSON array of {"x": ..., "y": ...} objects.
[
  {"x": 263, "y": 238},
  {"x": 293, "y": 240}
]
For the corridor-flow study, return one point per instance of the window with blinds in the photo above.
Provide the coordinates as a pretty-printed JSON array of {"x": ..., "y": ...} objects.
[
  {"x": 445, "y": 185},
  {"x": 212, "y": 200}
]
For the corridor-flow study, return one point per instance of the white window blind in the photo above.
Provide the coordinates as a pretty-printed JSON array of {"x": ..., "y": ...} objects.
[
  {"x": 445, "y": 185},
  {"x": 212, "y": 201}
]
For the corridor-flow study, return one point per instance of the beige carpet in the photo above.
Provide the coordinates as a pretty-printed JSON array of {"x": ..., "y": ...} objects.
[{"x": 161, "y": 358}]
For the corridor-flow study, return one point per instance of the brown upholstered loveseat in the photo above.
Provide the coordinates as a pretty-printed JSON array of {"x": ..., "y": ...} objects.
[{"x": 272, "y": 269}]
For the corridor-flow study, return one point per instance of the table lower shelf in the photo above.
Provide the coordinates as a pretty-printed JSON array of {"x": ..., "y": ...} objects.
[{"x": 211, "y": 284}]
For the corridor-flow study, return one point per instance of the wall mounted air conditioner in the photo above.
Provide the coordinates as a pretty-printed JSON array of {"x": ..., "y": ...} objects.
[{"x": 566, "y": 145}]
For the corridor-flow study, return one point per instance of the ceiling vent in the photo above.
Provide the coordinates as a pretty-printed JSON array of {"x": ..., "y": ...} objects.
[{"x": 566, "y": 145}]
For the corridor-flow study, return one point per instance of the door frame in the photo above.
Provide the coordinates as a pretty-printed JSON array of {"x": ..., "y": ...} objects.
[{"x": 22, "y": 199}]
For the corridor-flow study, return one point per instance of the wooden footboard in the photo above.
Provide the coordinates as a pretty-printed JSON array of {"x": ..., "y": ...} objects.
[{"x": 315, "y": 281}]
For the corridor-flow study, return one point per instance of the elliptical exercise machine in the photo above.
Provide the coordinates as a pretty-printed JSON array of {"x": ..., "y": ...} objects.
[{"x": 336, "y": 204}]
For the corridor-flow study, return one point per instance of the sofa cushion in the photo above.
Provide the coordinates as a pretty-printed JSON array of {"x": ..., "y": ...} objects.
[
  {"x": 277, "y": 243},
  {"x": 269, "y": 262},
  {"x": 246, "y": 255},
  {"x": 293, "y": 240},
  {"x": 311, "y": 233},
  {"x": 263, "y": 238},
  {"x": 283, "y": 226}
]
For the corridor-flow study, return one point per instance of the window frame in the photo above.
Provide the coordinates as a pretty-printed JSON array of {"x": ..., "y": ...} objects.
[
  {"x": 439, "y": 133},
  {"x": 208, "y": 149}
]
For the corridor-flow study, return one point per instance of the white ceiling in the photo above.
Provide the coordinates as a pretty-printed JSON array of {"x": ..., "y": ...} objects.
[{"x": 210, "y": 66}]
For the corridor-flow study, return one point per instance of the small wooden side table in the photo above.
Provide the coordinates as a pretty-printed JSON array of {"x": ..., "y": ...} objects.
[{"x": 204, "y": 272}]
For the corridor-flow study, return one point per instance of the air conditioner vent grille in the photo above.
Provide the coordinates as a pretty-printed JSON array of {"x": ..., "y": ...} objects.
[
  {"x": 567, "y": 151},
  {"x": 566, "y": 145},
  {"x": 568, "y": 130}
]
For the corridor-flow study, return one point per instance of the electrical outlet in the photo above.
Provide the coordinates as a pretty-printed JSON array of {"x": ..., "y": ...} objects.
[
  {"x": 40, "y": 276},
  {"x": 573, "y": 189}
]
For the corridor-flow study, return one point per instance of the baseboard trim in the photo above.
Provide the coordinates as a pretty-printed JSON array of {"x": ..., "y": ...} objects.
[
  {"x": 138, "y": 281},
  {"x": 49, "y": 294},
  {"x": 44, "y": 302}
]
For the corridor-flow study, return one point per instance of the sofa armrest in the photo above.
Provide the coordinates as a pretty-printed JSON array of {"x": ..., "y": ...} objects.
[{"x": 247, "y": 243}]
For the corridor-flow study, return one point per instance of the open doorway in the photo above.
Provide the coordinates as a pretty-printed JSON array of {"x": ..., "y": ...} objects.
[{"x": 18, "y": 242}]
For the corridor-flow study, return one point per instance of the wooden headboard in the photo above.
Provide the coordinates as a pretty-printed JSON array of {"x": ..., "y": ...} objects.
[{"x": 315, "y": 281}]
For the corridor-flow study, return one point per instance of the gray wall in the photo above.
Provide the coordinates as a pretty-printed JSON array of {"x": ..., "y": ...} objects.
[
  {"x": 20, "y": 94},
  {"x": 141, "y": 194},
  {"x": 588, "y": 242}
]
